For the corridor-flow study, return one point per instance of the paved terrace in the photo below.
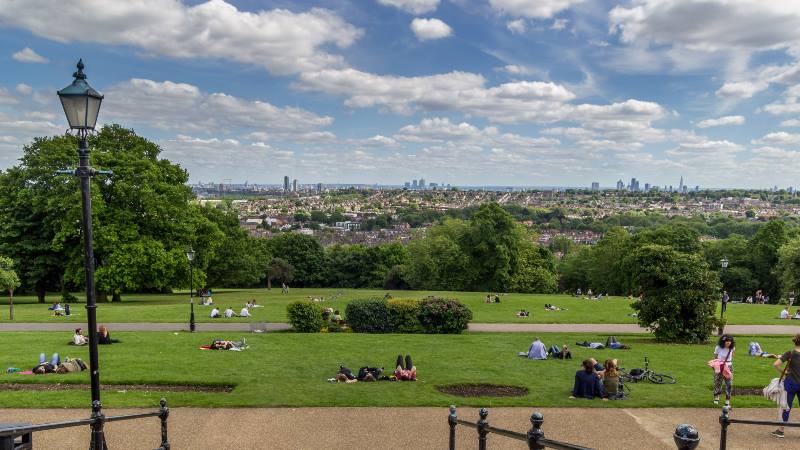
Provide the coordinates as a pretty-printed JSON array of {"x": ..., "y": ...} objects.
[
  {"x": 405, "y": 428},
  {"x": 618, "y": 328}
]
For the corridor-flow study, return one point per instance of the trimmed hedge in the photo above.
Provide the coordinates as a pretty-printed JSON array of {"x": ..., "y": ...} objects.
[
  {"x": 305, "y": 316},
  {"x": 404, "y": 315},
  {"x": 431, "y": 315},
  {"x": 368, "y": 315},
  {"x": 443, "y": 315}
]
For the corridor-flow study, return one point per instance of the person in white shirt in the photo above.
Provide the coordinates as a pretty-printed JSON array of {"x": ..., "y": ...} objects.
[
  {"x": 215, "y": 313},
  {"x": 244, "y": 312},
  {"x": 229, "y": 313},
  {"x": 78, "y": 338},
  {"x": 785, "y": 313}
]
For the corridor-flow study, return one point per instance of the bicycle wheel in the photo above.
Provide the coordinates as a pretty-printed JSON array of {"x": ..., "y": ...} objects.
[
  {"x": 660, "y": 378},
  {"x": 625, "y": 376}
]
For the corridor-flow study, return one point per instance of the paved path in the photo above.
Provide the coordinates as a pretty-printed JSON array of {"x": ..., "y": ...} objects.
[
  {"x": 405, "y": 428},
  {"x": 607, "y": 328}
]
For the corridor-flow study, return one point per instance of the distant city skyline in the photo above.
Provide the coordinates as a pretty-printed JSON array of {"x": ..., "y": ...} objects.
[{"x": 479, "y": 93}]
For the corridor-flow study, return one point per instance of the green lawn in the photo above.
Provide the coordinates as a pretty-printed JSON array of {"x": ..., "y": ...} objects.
[
  {"x": 288, "y": 369},
  {"x": 175, "y": 308}
]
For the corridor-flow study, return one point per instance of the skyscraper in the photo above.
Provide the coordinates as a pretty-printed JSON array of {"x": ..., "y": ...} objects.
[
  {"x": 319, "y": 188},
  {"x": 294, "y": 185},
  {"x": 407, "y": 185},
  {"x": 286, "y": 183},
  {"x": 422, "y": 183},
  {"x": 647, "y": 187},
  {"x": 595, "y": 186},
  {"x": 620, "y": 185},
  {"x": 414, "y": 184},
  {"x": 680, "y": 185}
]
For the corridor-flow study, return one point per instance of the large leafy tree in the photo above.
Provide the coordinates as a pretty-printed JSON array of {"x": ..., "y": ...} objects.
[
  {"x": 679, "y": 293},
  {"x": 240, "y": 258},
  {"x": 763, "y": 249},
  {"x": 605, "y": 272},
  {"x": 305, "y": 254},
  {"x": 143, "y": 219},
  {"x": 788, "y": 268}
]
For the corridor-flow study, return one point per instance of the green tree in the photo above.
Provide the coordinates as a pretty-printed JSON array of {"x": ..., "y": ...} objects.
[
  {"x": 493, "y": 241},
  {"x": 605, "y": 271},
  {"x": 788, "y": 268},
  {"x": 305, "y": 254},
  {"x": 8, "y": 282},
  {"x": 763, "y": 249},
  {"x": 143, "y": 219},
  {"x": 279, "y": 269},
  {"x": 239, "y": 259},
  {"x": 679, "y": 293}
]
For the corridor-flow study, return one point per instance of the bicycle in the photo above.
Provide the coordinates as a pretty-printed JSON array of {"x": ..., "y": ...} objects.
[{"x": 636, "y": 375}]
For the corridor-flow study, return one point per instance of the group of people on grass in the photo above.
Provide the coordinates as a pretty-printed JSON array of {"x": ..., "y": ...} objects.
[
  {"x": 598, "y": 381},
  {"x": 59, "y": 310},
  {"x": 785, "y": 314},
  {"x": 103, "y": 337},
  {"x": 492, "y": 298},
  {"x": 404, "y": 370},
  {"x": 589, "y": 295},
  {"x": 539, "y": 351}
]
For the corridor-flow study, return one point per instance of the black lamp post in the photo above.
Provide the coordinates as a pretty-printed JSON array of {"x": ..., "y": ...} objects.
[
  {"x": 190, "y": 257},
  {"x": 81, "y": 105}
]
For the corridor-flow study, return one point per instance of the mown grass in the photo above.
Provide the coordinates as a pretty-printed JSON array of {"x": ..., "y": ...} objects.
[
  {"x": 289, "y": 369},
  {"x": 175, "y": 307}
]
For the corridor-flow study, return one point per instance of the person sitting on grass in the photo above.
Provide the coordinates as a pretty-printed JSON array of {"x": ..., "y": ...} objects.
[
  {"x": 67, "y": 310},
  {"x": 796, "y": 314},
  {"x": 103, "y": 338},
  {"x": 407, "y": 373},
  {"x": 337, "y": 317},
  {"x": 587, "y": 382},
  {"x": 215, "y": 313},
  {"x": 537, "y": 350},
  {"x": 488, "y": 298},
  {"x": 785, "y": 313},
  {"x": 229, "y": 313},
  {"x": 78, "y": 338},
  {"x": 244, "y": 312},
  {"x": 611, "y": 384},
  {"x": 496, "y": 298},
  {"x": 754, "y": 349}
]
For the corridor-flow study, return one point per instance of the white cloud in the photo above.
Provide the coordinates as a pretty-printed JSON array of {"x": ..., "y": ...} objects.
[
  {"x": 726, "y": 120},
  {"x": 280, "y": 40},
  {"x": 517, "y": 26},
  {"x": 428, "y": 29},
  {"x": 412, "y": 6},
  {"x": 24, "y": 89},
  {"x": 791, "y": 123},
  {"x": 184, "y": 107},
  {"x": 28, "y": 55},
  {"x": 534, "y": 9},
  {"x": 741, "y": 89},
  {"x": 559, "y": 24},
  {"x": 778, "y": 138},
  {"x": 6, "y": 98},
  {"x": 709, "y": 25}
]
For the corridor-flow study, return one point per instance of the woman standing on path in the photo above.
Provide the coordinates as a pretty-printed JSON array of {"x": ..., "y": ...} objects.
[
  {"x": 791, "y": 379},
  {"x": 724, "y": 352}
]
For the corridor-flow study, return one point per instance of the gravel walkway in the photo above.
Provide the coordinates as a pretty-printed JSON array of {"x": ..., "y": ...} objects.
[
  {"x": 608, "y": 328},
  {"x": 406, "y": 428}
]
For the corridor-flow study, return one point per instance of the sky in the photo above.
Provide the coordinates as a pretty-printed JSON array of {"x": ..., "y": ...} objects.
[{"x": 461, "y": 92}]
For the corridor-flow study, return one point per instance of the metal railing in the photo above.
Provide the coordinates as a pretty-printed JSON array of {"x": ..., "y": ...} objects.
[
  {"x": 534, "y": 437},
  {"x": 725, "y": 421},
  {"x": 20, "y": 437},
  {"x": 686, "y": 437}
]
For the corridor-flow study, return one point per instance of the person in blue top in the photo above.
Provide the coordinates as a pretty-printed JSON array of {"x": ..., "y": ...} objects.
[
  {"x": 537, "y": 350},
  {"x": 587, "y": 382}
]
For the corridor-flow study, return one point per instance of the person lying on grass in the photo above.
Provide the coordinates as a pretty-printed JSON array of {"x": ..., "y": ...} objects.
[
  {"x": 549, "y": 307},
  {"x": 754, "y": 349},
  {"x": 588, "y": 383},
  {"x": 219, "y": 344},
  {"x": 407, "y": 373},
  {"x": 564, "y": 353},
  {"x": 523, "y": 313},
  {"x": 365, "y": 373}
]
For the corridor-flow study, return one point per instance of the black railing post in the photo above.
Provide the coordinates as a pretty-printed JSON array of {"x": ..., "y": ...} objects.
[
  {"x": 483, "y": 424},
  {"x": 686, "y": 437},
  {"x": 163, "y": 416},
  {"x": 536, "y": 433},
  {"x": 452, "y": 420},
  {"x": 98, "y": 441},
  {"x": 724, "y": 421}
]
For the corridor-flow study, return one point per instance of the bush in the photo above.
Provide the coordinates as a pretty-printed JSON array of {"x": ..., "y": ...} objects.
[
  {"x": 404, "y": 315},
  {"x": 443, "y": 315},
  {"x": 369, "y": 315},
  {"x": 305, "y": 317}
]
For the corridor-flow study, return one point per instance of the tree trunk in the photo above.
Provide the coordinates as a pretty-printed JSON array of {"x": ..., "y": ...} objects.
[
  {"x": 40, "y": 294},
  {"x": 11, "y": 304},
  {"x": 116, "y": 297},
  {"x": 102, "y": 296},
  {"x": 269, "y": 283}
]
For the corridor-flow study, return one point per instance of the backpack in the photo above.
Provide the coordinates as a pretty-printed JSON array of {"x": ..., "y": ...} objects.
[{"x": 636, "y": 375}]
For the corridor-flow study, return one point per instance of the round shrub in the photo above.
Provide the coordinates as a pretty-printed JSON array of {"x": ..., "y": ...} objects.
[
  {"x": 404, "y": 315},
  {"x": 368, "y": 315},
  {"x": 305, "y": 316},
  {"x": 443, "y": 315}
]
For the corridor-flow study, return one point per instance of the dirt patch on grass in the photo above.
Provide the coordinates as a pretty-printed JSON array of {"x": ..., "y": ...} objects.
[
  {"x": 482, "y": 390},
  {"x": 113, "y": 387},
  {"x": 747, "y": 391}
]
